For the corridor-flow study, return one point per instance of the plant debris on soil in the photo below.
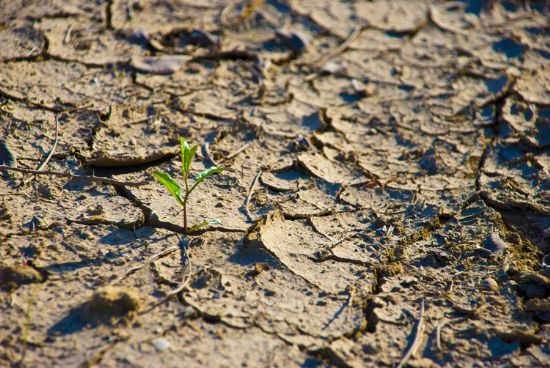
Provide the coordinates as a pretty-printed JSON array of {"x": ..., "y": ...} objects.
[{"x": 384, "y": 200}]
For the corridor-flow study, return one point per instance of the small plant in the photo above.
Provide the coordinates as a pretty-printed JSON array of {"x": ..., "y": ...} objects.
[{"x": 182, "y": 194}]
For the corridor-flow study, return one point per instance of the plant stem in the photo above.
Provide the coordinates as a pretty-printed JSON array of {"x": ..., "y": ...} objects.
[
  {"x": 185, "y": 179},
  {"x": 185, "y": 216}
]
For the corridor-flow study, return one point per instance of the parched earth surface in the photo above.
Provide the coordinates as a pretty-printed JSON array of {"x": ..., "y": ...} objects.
[{"x": 385, "y": 198}]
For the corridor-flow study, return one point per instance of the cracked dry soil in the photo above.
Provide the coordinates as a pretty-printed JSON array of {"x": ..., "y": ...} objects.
[{"x": 385, "y": 199}]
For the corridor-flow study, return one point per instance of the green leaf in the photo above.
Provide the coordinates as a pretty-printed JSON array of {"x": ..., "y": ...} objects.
[
  {"x": 170, "y": 184},
  {"x": 190, "y": 157},
  {"x": 206, "y": 173},
  {"x": 203, "y": 175},
  {"x": 184, "y": 155},
  {"x": 206, "y": 222}
]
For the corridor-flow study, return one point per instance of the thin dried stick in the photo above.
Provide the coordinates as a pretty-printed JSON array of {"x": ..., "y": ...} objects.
[
  {"x": 417, "y": 338},
  {"x": 45, "y": 162},
  {"x": 438, "y": 333},
  {"x": 208, "y": 154},
  {"x": 343, "y": 46},
  {"x": 185, "y": 280},
  {"x": 151, "y": 259},
  {"x": 235, "y": 153},
  {"x": 76, "y": 177},
  {"x": 67, "y": 37},
  {"x": 250, "y": 192}
]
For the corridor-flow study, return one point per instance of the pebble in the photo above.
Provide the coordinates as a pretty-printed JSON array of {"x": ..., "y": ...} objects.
[
  {"x": 495, "y": 244},
  {"x": 161, "y": 344},
  {"x": 491, "y": 284}
]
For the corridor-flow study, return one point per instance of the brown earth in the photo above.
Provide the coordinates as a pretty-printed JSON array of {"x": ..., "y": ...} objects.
[{"x": 385, "y": 198}]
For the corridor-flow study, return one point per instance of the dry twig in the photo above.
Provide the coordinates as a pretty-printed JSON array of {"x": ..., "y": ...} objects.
[
  {"x": 186, "y": 279},
  {"x": 417, "y": 338},
  {"x": 50, "y": 154},
  {"x": 208, "y": 154},
  {"x": 235, "y": 153},
  {"x": 343, "y": 46},
  {"x": 438, "y": 333},
  {"x": 250, "y": 193}
]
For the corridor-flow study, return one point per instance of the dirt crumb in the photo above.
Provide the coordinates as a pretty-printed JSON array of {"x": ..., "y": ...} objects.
[
  {"x": 113, "y": 301},
  {"x": 11, "y": 277}
]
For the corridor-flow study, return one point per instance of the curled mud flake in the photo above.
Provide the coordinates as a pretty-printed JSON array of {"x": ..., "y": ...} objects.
[
  {"x": 286, "y": 241},
  {"x": 322, "y": 168},
  {"x": 278, "y": 184},
  {"x": 107, "y": 159},
  {"x": 495, "y": 244},
  {"x": 165, "y": 64},
  {"x": 113, "y": 301}
]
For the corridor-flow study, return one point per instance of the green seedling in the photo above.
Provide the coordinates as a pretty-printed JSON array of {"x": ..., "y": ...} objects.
[{"x": 182, "y": 194}]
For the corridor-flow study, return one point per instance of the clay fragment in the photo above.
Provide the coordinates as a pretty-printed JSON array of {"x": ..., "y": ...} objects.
[
  {"x": 113, "y": 301},
  {"x": 106, "y": 159},
  {"x": 12, "y": 277}
]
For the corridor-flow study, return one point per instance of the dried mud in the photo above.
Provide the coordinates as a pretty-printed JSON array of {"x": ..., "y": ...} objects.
[{"x": 385, "y": 199}]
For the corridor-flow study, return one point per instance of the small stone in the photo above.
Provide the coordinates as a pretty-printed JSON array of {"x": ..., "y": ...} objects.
[
  {"x": 161, "y": 344},
  {"x": 491, "y": 284},
  {"x": 495, "y": 244}
]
